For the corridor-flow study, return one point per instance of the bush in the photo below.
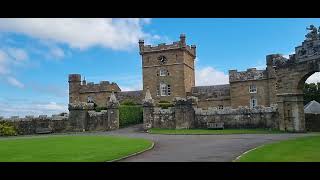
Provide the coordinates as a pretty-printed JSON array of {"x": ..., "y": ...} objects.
[
  {"x": 128, "y": 103},
  {"x": 129, "y": 115},
  {"x": 164, "y": 102},
  {"x": 98, "y": 109},
  {"x": 165, "y": 105},
  {"x": 7, "y": 129}
]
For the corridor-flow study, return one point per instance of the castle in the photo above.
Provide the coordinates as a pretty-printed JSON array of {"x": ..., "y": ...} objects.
[
  {"x": 269, "y": 98},
  {"x": 169, "y": 72}
]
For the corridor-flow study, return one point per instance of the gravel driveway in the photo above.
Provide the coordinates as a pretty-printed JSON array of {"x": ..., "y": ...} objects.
[{"x": 182, "y": 148}]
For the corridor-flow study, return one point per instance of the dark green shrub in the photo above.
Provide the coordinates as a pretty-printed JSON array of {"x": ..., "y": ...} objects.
[
  {"x": 129, "y": 115},
  {"x": 165, "y": 105},
  {"x": 7, "y": 129},
  {"x": 98, "y": 109},
  {"x": 128, "y": 103},
  {"x": 164, "y": 102}
]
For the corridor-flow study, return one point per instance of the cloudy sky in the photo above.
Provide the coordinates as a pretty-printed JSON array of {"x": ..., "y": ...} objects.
[{"x": 36, "y": 55}]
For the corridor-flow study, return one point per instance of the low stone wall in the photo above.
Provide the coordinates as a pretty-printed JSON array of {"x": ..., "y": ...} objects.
[
  {"x": 312, "y": 122},
  {"x": 242, "y": 117},
  {"x": 185, "y": 114},
  {"x": 32, "y": 125}
]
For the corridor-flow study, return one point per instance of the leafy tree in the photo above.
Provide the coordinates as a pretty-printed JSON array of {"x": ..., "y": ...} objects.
[{"x": 311, "y": 92}]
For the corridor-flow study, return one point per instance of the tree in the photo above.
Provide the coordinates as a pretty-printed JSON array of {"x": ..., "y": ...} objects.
[{"x": 311, "y": 92}]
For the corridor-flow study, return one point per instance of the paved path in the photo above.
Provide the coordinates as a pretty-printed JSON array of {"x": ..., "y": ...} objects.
[{"x": 197, "y": 148}]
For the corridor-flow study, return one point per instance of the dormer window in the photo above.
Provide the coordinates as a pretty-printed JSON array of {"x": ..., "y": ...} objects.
[{"x": 253, "y": 88}]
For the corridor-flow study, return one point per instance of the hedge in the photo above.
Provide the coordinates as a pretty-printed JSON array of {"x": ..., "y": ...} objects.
[{"x": 129, "y": 115}]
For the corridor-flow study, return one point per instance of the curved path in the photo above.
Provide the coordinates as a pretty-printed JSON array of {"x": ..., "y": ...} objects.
[{"x": 197, "y": 148}]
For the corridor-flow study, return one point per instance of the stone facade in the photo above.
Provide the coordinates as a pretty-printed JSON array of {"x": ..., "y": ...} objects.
[
  {"x": 81, "y": 91},
  {"x": 168, "y": 70}
]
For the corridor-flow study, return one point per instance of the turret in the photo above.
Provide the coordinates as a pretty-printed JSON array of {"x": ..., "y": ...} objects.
[
  {"x": 183, "y": 40},
  {"x": 141, "y": 45},
  {"x": 74, "y": 87}
]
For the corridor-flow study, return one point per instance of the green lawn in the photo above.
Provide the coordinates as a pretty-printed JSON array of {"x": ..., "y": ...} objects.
[
  {"x": 303, "y": 149},
  {"x": 69, "y": 148},
  {"x": 209, "y": 131}
]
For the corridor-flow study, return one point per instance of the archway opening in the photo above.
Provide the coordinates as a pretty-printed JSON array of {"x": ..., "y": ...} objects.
[
  {"x": 310, "y": 86},
  {"x": 311, "y": 100}
]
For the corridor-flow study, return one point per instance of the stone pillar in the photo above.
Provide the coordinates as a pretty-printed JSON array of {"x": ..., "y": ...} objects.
[
  {"x": 291, "y": 112},
  {"x": 113, "y": 112},
  {"x": 78, "y": 116},
  {"x": 184, "y": 113},
  {"x": 148, "y": 108}
]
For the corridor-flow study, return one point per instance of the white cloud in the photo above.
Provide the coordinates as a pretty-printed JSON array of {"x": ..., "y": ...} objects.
[
  {"x": 14, "y": 82},
  {"x": 314, "y": 78},
  {"x": 16, "y": 108},
  {"x": 210, "y": 76},
  {"x": 18, "y": 54},
  {"x": 118, "y": 34},
  {"x": 57, "y": 52}
]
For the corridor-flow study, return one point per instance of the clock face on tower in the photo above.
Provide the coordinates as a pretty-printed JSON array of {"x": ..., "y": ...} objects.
[{"x": 162, "y": 59}]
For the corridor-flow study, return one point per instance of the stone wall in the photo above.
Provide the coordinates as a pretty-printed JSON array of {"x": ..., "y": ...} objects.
[
  {"x": 312, "y": 122},
  {"x": 242, "y": 117},
  {"x": 33, "y": 125},
  {"x": 185, "y": 114}
]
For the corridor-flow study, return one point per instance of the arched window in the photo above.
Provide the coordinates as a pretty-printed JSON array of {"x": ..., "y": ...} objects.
[{"x": 253, "y": 102}]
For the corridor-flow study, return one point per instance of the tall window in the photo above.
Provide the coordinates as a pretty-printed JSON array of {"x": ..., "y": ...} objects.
[
  {"x": 164, "y": 90},
  {"x": 253, "y": 88},
  {"x": 163, "y": 72},
  {"x": 253, "y": 102}
]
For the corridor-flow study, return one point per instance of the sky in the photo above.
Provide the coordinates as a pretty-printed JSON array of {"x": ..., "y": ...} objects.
[{"x": 36, "y": 55}]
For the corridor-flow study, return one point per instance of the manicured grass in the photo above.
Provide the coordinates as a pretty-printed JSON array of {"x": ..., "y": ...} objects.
[
  {"x": 69, "y": 148},
  {"x": 303, "y": 149},
  {"x": 211, "y": 131}
]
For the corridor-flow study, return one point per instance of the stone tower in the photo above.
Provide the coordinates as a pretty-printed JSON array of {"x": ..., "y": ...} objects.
[
  {"x": 74, "y": 87},
  {"x": 168, "y": 70}
]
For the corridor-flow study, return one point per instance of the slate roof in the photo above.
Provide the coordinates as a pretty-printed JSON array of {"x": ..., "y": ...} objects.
[
  {"x": 313, "y": 107},
  {"x": 215, "y": 91}
]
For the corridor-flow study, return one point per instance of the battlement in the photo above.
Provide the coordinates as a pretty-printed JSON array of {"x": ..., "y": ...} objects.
[
  {"x": 91, "y": 87},
  {"x": 249, "y": 74},
  {"x": 163, "y": 46}
]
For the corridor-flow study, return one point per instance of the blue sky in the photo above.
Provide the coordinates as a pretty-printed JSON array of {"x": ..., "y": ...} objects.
[{"x": 36, "y": 55}]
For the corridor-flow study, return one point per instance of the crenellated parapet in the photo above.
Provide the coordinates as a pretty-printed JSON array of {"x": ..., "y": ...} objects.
[
  {"x": 250, "y": 74},
  {"x": 162, "y": 47}
]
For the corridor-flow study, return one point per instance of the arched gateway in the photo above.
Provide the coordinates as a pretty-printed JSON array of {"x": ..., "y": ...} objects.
[{"x": 291, "y": 75}]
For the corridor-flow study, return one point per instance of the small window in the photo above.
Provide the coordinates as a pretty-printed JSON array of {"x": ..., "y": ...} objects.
[
  {"x": 158, "y": 91},
  {"x": 220, "y": 106},
  {"x": 163, "y": 72},
  {"x": 253, "y": 89},
  {"x": 253, "y": 102},
  {"x": 90, "y": 99}
]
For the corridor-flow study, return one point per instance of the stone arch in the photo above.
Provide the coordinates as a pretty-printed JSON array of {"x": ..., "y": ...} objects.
[
  {"x": 291, "y": 75},
  {"x": 303, "y": 80}
]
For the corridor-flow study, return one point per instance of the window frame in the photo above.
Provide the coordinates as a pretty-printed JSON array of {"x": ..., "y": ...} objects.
[
  {"x": 251, "y": 89},
  {"x": 255, "y": 100}
]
